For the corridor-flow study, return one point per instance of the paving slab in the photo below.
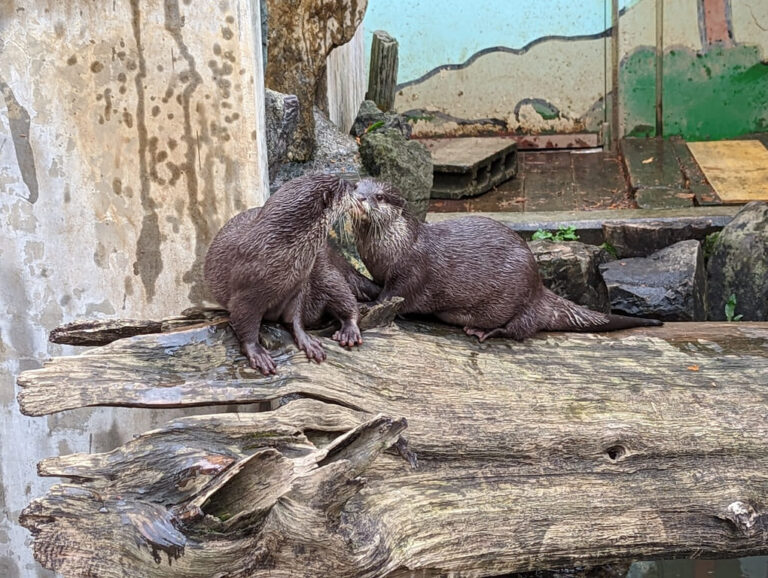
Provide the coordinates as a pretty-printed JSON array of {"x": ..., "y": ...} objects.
[
  {"x": 589, "y": 224},
  {"x": 654, "y": 174},
  {"x": 467, "y": 167}
]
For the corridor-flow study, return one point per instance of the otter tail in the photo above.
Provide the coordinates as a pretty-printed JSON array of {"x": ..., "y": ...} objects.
[{"x": 560, "y": 314}]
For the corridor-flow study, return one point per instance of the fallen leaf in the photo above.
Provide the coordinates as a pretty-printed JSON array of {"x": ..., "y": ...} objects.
[
  {"x": 648, "y": 160},
  {"x": 693, "y": 368}
]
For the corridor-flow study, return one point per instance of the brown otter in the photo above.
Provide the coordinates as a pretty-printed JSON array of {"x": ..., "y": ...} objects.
[
  {"x": 274, "y": 264},
  {"x": 473, "y": 272}
]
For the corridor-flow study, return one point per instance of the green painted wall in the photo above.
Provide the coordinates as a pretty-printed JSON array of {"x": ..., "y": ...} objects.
[{"x": 718, "y": 94}]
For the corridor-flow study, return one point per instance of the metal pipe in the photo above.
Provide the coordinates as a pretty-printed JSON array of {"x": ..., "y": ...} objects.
[
  {"x": 659, "y": 68},
  {"x": 615, "y": 51}
]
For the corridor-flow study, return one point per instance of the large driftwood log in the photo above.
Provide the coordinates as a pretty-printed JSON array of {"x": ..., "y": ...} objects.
[{"x": 560, "y": 451}]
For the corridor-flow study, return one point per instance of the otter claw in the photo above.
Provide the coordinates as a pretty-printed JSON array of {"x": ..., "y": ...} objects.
[
  {"x": 348, "y": 336},
  {"x": 259, "y": 358},
  {"x": 312, "y": 347}
]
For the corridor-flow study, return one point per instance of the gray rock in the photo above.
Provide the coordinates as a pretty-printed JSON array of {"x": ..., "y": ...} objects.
[
  {"x": 572, "y": 270},
  {"x": 387, "y": 155},
  {"x": 369, "y": 114},
  {"x": 335, "y": 153},
  {"x": 669, "y": 285},
  {"x": 631, "y": 238},
  {"x": 282, "y": 117},
  {"x": 739, "y": 265}
]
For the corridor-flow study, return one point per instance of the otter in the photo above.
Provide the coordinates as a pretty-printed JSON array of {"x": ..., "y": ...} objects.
[
  {"x": 472, "y": 272},
  {"x": 274, "y": 264}
]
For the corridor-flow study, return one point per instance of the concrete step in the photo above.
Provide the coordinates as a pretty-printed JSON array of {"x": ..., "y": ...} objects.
[
  {"x": 467, "y": 167},
  {"x": 679, "y": 224}
]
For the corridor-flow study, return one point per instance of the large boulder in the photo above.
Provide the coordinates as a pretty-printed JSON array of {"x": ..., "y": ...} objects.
[
  {"x": 369, "y": 117},
  {"x": 633, "y": 238},
  {"x": 738, "y": 265},
  {"x": 669, "y": 285},
  {"x": 334, "y": 153},
  {"x": 281, "y": 112},
  {"x": 387, "y": 155},
  {"x": 301, "y": 34},
  {"x": 572, "y": 270}
]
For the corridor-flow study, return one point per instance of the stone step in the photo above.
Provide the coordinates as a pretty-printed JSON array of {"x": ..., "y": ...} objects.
[
  {"x": 662, "y": 225},
  {"x": 467, "y": 167}
]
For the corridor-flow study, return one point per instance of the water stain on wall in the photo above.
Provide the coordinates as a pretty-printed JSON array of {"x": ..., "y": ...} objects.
[
  {"x": 18, "y": 118},
  {"x": 149, "y": 261}
]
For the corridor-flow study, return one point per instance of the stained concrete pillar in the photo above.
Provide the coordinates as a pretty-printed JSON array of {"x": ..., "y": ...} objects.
[{"x": 130, "y": 131}]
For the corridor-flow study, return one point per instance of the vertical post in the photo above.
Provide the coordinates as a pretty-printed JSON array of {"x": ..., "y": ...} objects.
[
  {"x": 659, "y": 68},
  {"x": 615, "y": 51},
  {"x": 258, "y": 26},
  {"x": 382, "y": 76}
]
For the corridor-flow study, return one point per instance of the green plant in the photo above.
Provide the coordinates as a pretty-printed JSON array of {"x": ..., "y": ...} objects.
[
  {"x": 563, "y": 233},
  {"x": 610, "y": 249},
  {"x": 374, "y": 126},
  {"x": 730, "y": 309},
  {"x": 708, "y": 246}
]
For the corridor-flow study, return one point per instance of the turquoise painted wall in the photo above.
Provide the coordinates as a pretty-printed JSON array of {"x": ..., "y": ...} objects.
[{"x": 432, "y": 34}]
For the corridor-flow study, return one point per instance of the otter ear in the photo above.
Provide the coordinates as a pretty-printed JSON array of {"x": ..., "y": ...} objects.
[{"x": 397, "y": 201}]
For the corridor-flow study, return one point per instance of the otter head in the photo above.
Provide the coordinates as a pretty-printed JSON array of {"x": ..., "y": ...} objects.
[
  {"x": 329, "y": 196},
  {"x": 377, "y": 203}
]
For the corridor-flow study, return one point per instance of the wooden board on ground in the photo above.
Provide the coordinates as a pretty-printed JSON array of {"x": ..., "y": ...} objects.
[
  {"x": 568, "y": 449},
  {"x": 737, "y": 169}
]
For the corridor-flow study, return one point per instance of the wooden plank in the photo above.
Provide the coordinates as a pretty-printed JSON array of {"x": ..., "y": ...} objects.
[
  {"x": 737, "y": 169},
  {"x": 696, "y": 180},
  {"x": 565, "y": 450}
]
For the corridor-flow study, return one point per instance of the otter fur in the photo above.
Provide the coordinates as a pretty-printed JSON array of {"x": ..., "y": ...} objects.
[
  {"x": 472, "y": 272},
  {"x": 274, "y": 264}
]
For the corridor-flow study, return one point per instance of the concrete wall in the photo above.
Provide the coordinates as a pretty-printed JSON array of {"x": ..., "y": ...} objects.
[
  {"x": 543, "y": 66},
  {"x": 130, "y": 131}
]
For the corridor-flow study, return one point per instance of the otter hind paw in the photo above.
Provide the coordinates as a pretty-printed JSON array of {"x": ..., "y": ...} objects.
[{"x": 481, "y": 334}]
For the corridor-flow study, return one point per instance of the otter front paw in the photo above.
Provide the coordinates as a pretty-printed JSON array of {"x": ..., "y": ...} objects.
[
  {"x": 258, "y": 358},
  {"x": 312, "y": 347},
  {"x": 348, "y": 335}
]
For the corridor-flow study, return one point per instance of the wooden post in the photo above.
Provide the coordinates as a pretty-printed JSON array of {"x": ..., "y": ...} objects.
[{"x": 382, "y": 77}]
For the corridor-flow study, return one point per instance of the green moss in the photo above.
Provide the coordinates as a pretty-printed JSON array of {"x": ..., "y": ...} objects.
[{"x": 714, "y": 95}]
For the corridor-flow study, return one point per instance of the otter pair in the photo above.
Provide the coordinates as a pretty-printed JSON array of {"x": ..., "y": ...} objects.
[{"x": 274, "y": 264}]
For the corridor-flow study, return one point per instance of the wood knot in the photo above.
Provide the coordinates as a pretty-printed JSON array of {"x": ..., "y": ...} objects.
[
  {"x": 744, "y": 517},
  {"x": 615, "y": 452}
]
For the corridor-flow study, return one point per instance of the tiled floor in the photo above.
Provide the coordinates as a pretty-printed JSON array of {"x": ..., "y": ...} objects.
[{"x": 553, "y": 181}]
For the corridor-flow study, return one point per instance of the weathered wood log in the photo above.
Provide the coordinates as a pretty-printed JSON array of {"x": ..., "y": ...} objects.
[
  {"x": 569, "y": 449},
  {"x": 382, "y": 75},
  {"x": 104, "y": 331}
]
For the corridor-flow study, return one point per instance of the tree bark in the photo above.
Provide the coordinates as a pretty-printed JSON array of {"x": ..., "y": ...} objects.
[{"x": 565, "y": 450}]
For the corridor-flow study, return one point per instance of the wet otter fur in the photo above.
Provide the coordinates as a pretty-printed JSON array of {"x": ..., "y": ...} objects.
[
  {"x": 274, "y": 264},
  {"x": 472, "y": 272}
]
